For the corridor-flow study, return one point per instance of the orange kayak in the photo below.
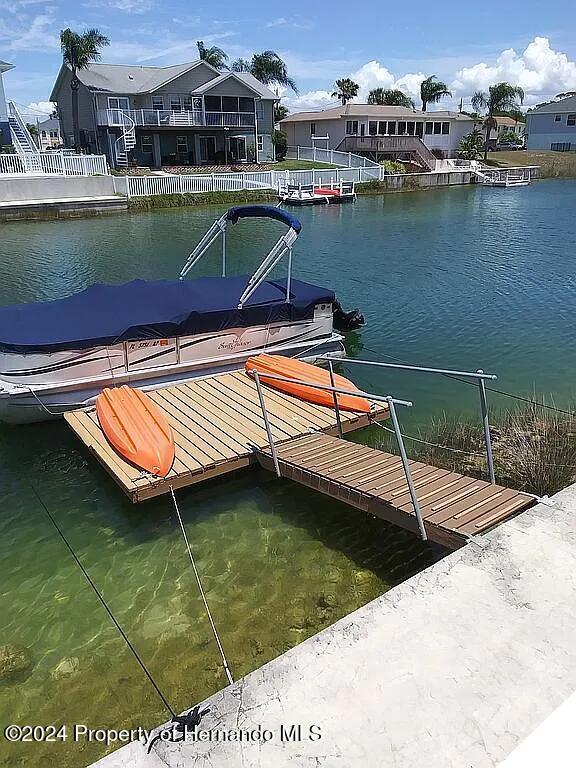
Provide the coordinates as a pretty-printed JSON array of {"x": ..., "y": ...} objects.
[
  {"x": 136, "y": 428},
  {"x": 300, "y": 371}
]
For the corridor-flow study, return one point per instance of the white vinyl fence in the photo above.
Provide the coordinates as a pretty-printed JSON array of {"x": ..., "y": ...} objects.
[
  {"x": 54, "y": 163},
  {"x": 332, "y": 156}
]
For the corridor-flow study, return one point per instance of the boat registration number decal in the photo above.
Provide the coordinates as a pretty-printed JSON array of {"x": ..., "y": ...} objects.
[{"x": 148, "y": 344}]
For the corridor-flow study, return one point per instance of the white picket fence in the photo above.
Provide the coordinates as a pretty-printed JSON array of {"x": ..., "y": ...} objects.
[{"x": 53, "y": 164}]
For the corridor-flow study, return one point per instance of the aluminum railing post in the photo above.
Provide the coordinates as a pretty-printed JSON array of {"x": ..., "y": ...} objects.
[
  {"x": 267, "y": 423},
  {"x": 406, "y": 466},
  {"x": 336, "y": 405},
  {"x": 486, "y": 426}
]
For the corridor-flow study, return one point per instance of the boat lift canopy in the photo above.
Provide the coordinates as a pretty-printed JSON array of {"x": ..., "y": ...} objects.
[{"x": 282, "y": 247}]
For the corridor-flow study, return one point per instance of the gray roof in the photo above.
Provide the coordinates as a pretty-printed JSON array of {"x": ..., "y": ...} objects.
[
  {"x": 244, "y": 77},
  {"x": 132, "y": 79},
  {"x": 354, "y": 110},
  {"x": 51, "y": 124},
  {"x": 563, "y": 105},
  {"x": 126, "y": 78}
]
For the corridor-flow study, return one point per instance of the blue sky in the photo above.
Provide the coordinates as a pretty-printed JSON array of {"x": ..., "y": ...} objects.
[{"x": 384, "y": 44}]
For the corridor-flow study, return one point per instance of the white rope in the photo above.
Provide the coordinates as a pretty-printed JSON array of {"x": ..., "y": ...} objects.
[{"x": 210, "y": 619}]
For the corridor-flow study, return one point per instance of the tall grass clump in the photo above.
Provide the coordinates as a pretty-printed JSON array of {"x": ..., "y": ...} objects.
[{"x": 534, "y": 448}]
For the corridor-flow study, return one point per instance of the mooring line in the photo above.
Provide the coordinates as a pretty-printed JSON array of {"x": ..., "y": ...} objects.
[
  {"x": 107, "y": 609},
  {"x": 206, "y": 606}
]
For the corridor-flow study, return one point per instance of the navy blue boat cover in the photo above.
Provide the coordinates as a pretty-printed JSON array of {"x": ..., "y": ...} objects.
[{"x": 107, "y": 314}]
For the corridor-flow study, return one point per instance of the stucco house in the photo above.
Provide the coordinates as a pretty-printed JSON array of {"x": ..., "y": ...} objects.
[
  {"x": 5, "y": 136},
  {"x": 186, "y": 114},
  {"x": 49, "y": 134},
  {"x": 552, "y": 126},
  {"x": 380, "y": 131},
  {"x": 504, "y": 125}
]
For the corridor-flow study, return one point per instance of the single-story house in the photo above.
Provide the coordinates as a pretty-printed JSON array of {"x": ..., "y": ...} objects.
[
  {"x": 379, "y": 131},
  {"x": 5, "y": 135},
  {"x": 186, "y": 114},
  {"x": 49, "y": 134},
  {"x": 505, "y": 124},
  {"x": 552, "y": 126}
]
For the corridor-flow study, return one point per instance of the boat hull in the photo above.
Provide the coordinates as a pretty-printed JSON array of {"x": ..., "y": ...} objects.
[{"x": 28, "y": 403}]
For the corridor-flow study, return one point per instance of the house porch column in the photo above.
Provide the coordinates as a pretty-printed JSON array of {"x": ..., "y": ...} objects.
[{"x": 157, "y": 151}]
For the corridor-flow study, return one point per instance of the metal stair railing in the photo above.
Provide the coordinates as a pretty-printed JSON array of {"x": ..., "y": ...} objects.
[
  {"x": 392, "y": 402},
  {"x": 127, "y": 139},
  {"x": 21, "y": 137}
]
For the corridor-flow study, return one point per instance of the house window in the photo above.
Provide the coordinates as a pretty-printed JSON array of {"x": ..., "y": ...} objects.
[
  {"x": 213, "y": 103},
  {"x": 411, "y": 128},
  {"x": 372, "y": 127},
  {"x": 53, "y": 134},
  {"x": 382, "y": 128},
  {"x": 158, "y": 103},
  {"x": 351, "y": 127},
  {"x": 437, "y": 128},
  {"x": 392, "y": 127},
  {"x": 43, "y": 134},
  {"x": 429, "y": 128},
  {"x": 445, "y": 129},
  {"x": 182, "y": 145},
  {"x": 402, "y": 128},
  {"x": 312, "y": 129},
  {"x": 260, "y": 143},
  {"x": 175, "y": 104},
  {"x": 245, "y": 104},
  {"x": 557, "y": 118},
  {"x": 229, "y": 104},
  {"x": 187, "y": 103},
  {"x": 571, "y": 120},
  {"x": 118, "y": 102},
  {"x": 146, "y": 144}
]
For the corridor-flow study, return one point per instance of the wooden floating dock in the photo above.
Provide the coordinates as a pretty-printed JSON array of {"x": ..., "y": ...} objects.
[
  {"x": 218, "y": 428},
  {"x": 454, "y": 507}
]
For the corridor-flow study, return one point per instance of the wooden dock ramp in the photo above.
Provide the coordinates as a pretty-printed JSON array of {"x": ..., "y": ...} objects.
[
  {"x": 454, "y": 507},
  {"x": 218, "y": 427}
]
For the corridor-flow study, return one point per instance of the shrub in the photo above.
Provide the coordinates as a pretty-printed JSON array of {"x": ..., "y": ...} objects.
[{"x": 471, "y": 146}]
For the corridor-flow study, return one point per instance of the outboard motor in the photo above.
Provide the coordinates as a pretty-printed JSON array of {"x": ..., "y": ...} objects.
[{"x": 347, "y": 321}]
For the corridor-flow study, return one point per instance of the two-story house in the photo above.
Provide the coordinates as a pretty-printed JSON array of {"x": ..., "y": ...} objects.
[
  {"x": 5, "y": 136},
  {"x": 186, "y": 114},
  {"x": 505, "y": 126},
  {"x": 552, "y": 126},
  {"x": 380, "y": 131},
  {"x": 49, "y": 134}
]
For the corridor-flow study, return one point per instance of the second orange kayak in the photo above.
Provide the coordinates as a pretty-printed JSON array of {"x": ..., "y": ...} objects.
[
  {"x": 300, "y": 371},
  {"x": 137, "y": 429}
]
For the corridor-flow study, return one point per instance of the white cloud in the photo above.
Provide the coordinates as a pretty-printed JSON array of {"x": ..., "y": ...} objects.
[
  {"x": 38, "y": 109},
  {"x": 539, "y": 70},
  {"x": 280, "y": 22},
  {"x": 131, "y": 6},
  {"x": 34, "y": 35},
  {"x": 309, "y": 101}
]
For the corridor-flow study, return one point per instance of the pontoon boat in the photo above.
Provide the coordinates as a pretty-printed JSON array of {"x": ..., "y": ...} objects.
[{"x": 58, "y": 355}]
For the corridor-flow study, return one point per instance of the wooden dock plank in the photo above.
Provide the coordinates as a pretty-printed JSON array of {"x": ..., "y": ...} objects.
[
  {"x": 218, "y": 426},
  {"x": 454, "y": 506}
]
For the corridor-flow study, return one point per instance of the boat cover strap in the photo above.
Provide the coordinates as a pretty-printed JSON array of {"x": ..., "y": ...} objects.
[
  {"x": 263, "y": 211},
  {"x": 108, "y": 314}
]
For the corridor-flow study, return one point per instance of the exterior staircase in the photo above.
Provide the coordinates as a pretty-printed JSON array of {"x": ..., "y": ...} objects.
[
  {"x": 126, "y": 142},
  {"x": 23, "y": 141},
  {"x": 377, "y": 146}
]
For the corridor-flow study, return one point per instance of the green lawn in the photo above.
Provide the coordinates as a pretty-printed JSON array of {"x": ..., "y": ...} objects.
[
  {"x": 301, "y": 165},
  {"x": 551, "y": 164}
]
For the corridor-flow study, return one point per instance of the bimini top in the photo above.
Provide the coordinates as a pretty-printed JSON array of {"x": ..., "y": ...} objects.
[
  {"x": 263, "y": 212},
  {"x": 107, "y": 314}
]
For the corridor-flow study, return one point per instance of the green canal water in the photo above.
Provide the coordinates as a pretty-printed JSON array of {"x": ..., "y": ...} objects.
[{"x": 459, "y": 277}]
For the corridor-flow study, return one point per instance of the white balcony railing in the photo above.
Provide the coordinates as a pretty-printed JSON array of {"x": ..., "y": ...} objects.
[
  {"x": 54, "y": 164},
  {"x": 169, "y": 119}
]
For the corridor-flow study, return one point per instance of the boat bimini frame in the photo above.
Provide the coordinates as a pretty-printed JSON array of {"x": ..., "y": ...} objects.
[{"x": 282, "y": 247}]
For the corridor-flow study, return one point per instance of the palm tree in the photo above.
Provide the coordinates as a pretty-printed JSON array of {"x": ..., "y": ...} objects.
[
  {"x": 346, "y": 89},
  {"x": 390, "y": 97},
  {"x": 501, "y": 97},
  {"x": 214, "y": 55},
  {"x": 267, "y": 67},
  {"x": 280, "y": 112},
  {"x": 78, "y": 52},
  {"x": 432, "y": 90}
]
